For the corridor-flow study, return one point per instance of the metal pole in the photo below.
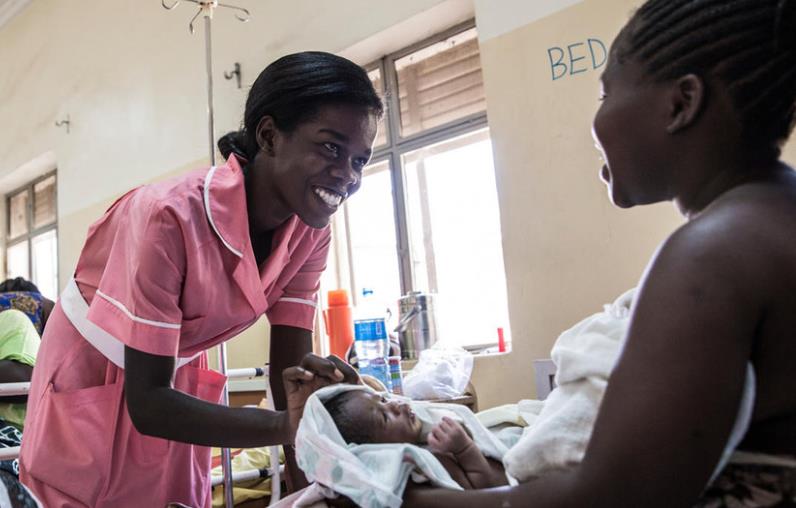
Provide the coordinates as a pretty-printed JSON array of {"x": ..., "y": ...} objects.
[
  {"x": 206, "y": 8},
  {"x": 209, "y": 68},
  {"x": 238, "y": 373},
  {"x": 226, "y": 458},
  {"x": 11, "y": 389}
]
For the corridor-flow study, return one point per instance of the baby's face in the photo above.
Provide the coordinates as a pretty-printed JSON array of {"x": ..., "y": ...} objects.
[{"x": 388, "y": 421}]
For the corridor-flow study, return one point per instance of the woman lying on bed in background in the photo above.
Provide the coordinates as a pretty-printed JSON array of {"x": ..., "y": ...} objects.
[{"x": 698, "y": 99}]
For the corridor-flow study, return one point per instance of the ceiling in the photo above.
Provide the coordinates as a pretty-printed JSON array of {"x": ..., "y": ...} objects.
[{"x": 10, "y": 8}]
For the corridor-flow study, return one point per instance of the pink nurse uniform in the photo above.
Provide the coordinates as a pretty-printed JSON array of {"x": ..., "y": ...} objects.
[{"x": 168, "y": 270}]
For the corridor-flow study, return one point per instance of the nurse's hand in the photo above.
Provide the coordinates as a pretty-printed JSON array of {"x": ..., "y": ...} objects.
[
  {"x": 350, "y": 374},
  {"x": 301, "y": 381}
]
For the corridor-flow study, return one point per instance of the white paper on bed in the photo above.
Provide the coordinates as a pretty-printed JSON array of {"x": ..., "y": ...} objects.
[
  {"x": 557, "y": 429},
  {"x": 374, "y": 475}
]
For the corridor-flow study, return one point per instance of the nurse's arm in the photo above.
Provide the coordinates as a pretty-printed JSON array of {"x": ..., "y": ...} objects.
[
  {"x": 288, "y": 345},
  {"x": 157, "y": 409}
]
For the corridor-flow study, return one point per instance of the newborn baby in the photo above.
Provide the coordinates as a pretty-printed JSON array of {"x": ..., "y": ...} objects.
[{"x": 363, "y": 417}]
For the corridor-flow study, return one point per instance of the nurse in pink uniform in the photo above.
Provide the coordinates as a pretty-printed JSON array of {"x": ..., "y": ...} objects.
[{"x": 122, "y": 406}]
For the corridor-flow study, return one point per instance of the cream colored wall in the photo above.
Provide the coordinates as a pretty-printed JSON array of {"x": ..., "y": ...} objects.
[
  {"x": 567, "y": 249},
  {"x": 132, "y": 79}
]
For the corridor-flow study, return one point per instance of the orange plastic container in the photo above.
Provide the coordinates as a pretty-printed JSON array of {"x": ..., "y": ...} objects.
[{"x": 339, "y": 321}]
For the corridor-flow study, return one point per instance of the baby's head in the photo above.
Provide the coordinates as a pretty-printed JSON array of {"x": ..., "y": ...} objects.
[{"x": 364, "y": 417}]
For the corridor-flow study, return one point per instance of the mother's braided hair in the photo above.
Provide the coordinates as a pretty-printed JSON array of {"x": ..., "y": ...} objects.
[{"x": 748, "y": 45}]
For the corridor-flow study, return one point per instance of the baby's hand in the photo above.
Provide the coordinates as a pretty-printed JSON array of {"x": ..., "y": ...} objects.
[{"x": 448, "y": 436}]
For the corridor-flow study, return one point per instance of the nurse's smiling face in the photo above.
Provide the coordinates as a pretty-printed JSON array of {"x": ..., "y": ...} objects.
[{"x": 311, "y": 170}]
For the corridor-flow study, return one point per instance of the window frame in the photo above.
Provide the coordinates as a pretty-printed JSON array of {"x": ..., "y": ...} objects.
[
  {"x": 29, "y": 216},
  {"x": 396, "y": 146}
]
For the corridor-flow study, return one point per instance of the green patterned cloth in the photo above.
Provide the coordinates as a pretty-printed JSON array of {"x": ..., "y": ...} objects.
[
  {"x": 30, "y": 303},
  {"x": 19, "y": 341}
]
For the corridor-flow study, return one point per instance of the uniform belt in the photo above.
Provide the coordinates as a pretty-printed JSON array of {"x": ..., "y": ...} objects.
[{"x": 76, "y": 310}]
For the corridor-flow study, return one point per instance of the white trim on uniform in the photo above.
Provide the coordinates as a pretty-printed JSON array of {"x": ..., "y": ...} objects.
[
  {"x": 76, "y": 310},
  {"x": 119, "y": 305},
  {"x": 206, "y": 196},
  {"x": 300, "y": 300}
]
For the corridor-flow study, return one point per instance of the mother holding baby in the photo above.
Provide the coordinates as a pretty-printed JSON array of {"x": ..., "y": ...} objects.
[{"x": 698, "y": 98}]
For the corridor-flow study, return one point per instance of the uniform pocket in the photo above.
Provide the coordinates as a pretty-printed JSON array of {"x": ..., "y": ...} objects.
[
  {"x": 69, "y": 446},
  {"x": 207, "y": 385}
]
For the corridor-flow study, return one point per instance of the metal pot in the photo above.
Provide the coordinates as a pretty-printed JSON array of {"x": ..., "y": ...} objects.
[{"x": 417, "y": 325}]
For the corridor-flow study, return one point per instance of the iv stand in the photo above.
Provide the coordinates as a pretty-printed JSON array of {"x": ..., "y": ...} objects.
[{"x": 206, "y": 8}]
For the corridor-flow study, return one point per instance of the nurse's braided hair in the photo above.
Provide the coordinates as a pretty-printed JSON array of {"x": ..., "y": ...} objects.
[
  {"x": 292, "y": 89},
  {"x": 748, "y": 45}
]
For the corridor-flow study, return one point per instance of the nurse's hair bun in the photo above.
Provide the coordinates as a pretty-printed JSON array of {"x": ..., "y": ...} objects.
[{"x": 233, "y": 142}]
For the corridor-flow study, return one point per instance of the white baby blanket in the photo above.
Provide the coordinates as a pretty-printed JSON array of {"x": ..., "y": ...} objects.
[
  {"x": 557, "y": 431},
  {"x": 374, "y": 475}
]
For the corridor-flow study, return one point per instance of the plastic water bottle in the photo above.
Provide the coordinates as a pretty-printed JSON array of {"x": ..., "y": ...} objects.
[{"x": 371, "y": 341}]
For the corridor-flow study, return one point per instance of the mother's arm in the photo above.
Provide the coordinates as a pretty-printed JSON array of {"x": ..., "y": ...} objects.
[
  {"x": 674, "y": 394},
  {"x": 12, "y": 371}
]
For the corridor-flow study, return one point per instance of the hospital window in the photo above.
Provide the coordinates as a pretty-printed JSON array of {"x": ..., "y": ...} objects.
[
  {"x": 426, "y": 217},
  {"x": 32, "y": 235}
]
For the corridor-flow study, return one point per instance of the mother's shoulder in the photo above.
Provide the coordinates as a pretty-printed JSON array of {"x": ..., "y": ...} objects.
[{"x": 750, "y": 231}]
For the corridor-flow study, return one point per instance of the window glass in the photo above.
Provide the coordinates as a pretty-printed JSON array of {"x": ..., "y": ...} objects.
[
  {"x": 18, "y": 214},
  {"x": 455, "y": 238},
  {"x": 45, "y": 263},
  {"x": 44, "y": 202},
  {"x": 378, "y": 84},
  {"x": 440, "y": 83},
  {"x": 32, "y": 247},
  {"x": 17, "y": 261},
  {"x": 371, "y": 235},
  {"x": 450, "y": 235}
]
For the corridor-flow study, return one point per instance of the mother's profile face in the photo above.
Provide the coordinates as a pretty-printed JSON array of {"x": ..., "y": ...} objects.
[{"x": 630, "y": 132}]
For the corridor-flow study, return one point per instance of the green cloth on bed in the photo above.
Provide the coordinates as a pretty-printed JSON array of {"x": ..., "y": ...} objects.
[{"x": 19, "y": 341}]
